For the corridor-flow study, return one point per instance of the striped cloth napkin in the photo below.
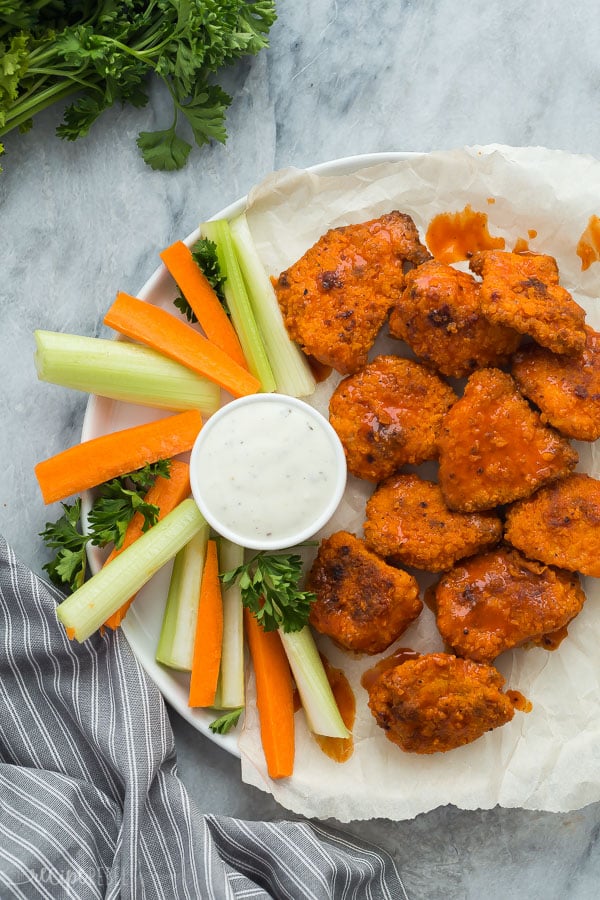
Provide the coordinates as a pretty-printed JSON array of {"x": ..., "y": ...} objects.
[{"x": 90, "y": 802}]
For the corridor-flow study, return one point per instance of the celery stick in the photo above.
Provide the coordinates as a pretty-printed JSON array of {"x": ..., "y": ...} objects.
[
  {"x": 231, "y": 677},
  {"x": 122, "y": 371},
  {"x": 318, "y": 702},
  {"x": 176, "y": 642},
  {"x": 290, "y": 366},
  {"x": 90, "y": 605},
  {"x": 239, "y": 304}
]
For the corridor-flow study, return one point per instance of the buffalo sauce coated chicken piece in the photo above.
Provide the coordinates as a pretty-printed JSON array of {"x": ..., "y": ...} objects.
[
  {"x": 438, "y": 702},
  {"x": 362, "y": 603},
  {"x": 560, "y": 524},
  {"x": 409, "y": 524},
  {"x": 494, "y": 449},
  {"x": 498, "y": 600},
  {"x": 566, "y": 389},
  {"x": 439, "y": 315},
  {"x": 389, "y": 414},
  {"x": 521, "y": 291},
  {"x": 337, "y": 296}
]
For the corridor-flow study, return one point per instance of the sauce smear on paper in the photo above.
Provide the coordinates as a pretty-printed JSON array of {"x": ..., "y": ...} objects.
[
  {"x": 452, "y": 237},
  {"x": 402, "y": 655},
  {"x": 519, "y": 701},
  {"x": 588, "y": 247},
  {"x": 339, "y": 749}
]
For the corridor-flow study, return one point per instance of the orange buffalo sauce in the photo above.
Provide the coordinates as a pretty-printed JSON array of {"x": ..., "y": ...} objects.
[
  {"x": 519, "y": 701},
  {"x": 588, "y": 247},
  {"x": 402, "y": 655},
  {"x": 339, "y": 749},
  {"x": 452, "y": 237}
]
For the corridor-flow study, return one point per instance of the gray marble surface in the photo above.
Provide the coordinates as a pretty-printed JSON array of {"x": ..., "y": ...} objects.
[{"x": 80, "y": 220}]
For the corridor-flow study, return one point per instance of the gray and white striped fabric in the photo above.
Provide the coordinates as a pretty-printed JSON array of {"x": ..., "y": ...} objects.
[{"x": 90, "y": 802}]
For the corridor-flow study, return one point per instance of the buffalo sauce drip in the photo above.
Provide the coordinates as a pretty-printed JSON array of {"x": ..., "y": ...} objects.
[
  {"x": 452, "y": 237},
  {"x": 519, "y": 701},
  {"x": 402, "y": 655},
  {"x": 339, "y": 749},
  {"x": 553, "y": 639},
  {"x": 588, "y": 247}
]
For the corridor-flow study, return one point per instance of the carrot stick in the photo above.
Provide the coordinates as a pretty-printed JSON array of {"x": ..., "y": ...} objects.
[
  {"x": 274, "y": 697},
  {"x": 100, "y": 459},
  {"x": 166, "y": 493},
  {"x": 159, "y": 329},
  {"x": 199, "y": 293},
  {"x": 209, "y": 634}
]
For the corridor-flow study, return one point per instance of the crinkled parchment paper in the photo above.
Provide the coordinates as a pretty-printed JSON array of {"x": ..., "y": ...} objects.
[{"x": 550, "y": 758}]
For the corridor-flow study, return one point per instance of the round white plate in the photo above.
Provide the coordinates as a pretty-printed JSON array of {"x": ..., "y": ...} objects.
[{"x": 142, "y": 625}]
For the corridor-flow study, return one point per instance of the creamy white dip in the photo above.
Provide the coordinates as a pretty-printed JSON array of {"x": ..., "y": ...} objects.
[{"x": 267, "y": 471}]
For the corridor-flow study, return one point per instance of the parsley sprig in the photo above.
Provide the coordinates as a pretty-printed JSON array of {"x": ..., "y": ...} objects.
[
  {"x": 204, "y": 252},
  {"x": 227, "y": 721},
  {"x": 103, "y": 50},
  {"x": 115, "y": 505},
  {"x": 269, "y": 585}
]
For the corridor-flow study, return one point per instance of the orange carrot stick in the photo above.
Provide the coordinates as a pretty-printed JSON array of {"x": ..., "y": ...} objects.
[
  {"x": 166, "y": 493},
  {"x": 274, "y": 697},
  {"x": 159, "y": 329},
  {"x": 199, "y": 293},
  {"x": 100, "y": 459},
  {"x": 209, "y": 634}
]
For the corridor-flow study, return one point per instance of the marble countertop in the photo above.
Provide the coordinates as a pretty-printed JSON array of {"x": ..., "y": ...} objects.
[{"x": 81, "y": 220}]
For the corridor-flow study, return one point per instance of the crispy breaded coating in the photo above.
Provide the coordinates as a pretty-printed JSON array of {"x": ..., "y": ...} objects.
[
  {"x": 521, "y": 291},
  {"x": 565, "y": 388},
  {"x": 389, "y": 414},
  {"x": 439, "y": 315},
  {"x": 337, "y": 296},
  {"x": 362, "y": 603},
  {"x": 493, "y": 447},
  {"x": 409, "y": 524},
  {"x": 560, "y": 524},
  {"x": 498, "y": 600},
  {"x": 438, "y": 702}
]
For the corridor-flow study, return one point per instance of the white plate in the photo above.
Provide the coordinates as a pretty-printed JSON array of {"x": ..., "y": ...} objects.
[{"x": 142, "y": 625}]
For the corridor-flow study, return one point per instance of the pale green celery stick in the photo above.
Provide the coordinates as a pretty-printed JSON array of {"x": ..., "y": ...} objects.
[
  {"x": 122, "y": 371},
  {"x": 90, "y": 605},
  {"x": 318, "y": 702},
  {"x": 176, "y": 642},
  {"x": 239, "y": 304},
  {"x": 290, "y": 366},
  {"x": 230, "y": 691}
]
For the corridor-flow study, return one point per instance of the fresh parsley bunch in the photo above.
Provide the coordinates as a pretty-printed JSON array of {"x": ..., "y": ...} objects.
[
  {"x": 269, "y": 585},
  {"x": 103, "y": 51}
]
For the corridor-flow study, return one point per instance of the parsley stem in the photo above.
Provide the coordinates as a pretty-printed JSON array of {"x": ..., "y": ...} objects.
[{"x": 21, "y": 112}]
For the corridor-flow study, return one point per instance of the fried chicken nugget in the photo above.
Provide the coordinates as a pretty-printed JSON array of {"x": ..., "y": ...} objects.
[
  {"x": 565, "y": 388},
  {"x": 439, "y": 315},
  {"x": 521, "y": 291},
  {"x": 362, "y": 603},
  {"x": 493, "y": 447},
  {"x": 560, "y": 524},
  {"x": 498, "y": 600},
  {"x": 409, "y": 524},
  {"x": 337, "y": 296},
  {"x": 389, "y": 414},
  {"x": 438, "y": 702}
]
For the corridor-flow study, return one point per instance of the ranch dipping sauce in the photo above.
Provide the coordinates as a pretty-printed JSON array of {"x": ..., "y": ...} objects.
[{"x": 267, "y": 471}]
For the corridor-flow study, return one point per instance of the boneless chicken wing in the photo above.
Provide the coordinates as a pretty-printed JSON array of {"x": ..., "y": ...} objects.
[
  {"x": 494, "y": 449},
  {"x": 560, "y": 524},
  {"x": 409, "y": 524},
  {"x": 337, "y": 296},
  {"x": 438, "y": 702},
  {"x": 521, "y": 291},
  {"x": 362, "y": 603},
  {"x": 498, "y": 600},
  {"x": 389, "y": 414},
  {"x": 439, "y": 315},
  {"x": 565, "y": 388}
]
